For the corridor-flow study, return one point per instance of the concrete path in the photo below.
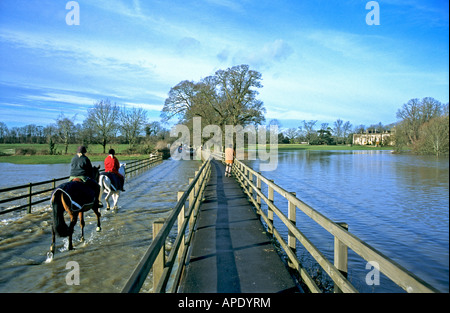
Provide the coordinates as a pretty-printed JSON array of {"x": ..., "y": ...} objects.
[{"x": 231, "y": 252}]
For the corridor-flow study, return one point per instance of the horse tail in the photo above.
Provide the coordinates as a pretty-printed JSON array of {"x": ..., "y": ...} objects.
[{"x": 59, "y": 225}]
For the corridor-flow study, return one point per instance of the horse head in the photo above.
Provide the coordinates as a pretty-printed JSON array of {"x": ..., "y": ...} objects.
[{"x": 96, "y": 173}]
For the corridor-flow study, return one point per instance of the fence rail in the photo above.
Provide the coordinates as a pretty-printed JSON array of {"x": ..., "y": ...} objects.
[
  {"x": 155, "y": 258},
  {"x": 27, "y": 191},
  {"x": 251, "y": 182}
]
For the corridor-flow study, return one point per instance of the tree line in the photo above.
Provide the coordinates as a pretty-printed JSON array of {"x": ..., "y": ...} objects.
[
  {"x": 339, "y": 132},
  {"x": 106, "y": 123}
]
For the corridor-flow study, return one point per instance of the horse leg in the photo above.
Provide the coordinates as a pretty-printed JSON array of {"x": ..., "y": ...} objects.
[
  {"x": 101, "y": 191},
  {"x": 52, "y": 247},
  {"x": 115, "y": 199},
  {"x": 97, "y": 213},
  {"x": 82, "y": 223},
  {"x": 109, "y": 192},
  {"x": 73, "y": 220}
]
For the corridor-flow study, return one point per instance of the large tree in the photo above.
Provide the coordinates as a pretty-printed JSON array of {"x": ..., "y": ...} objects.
[{"x": 227, "y": 98}]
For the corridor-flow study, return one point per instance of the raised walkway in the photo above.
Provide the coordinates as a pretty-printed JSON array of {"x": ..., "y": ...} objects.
[{"x": 231, "y": 252}]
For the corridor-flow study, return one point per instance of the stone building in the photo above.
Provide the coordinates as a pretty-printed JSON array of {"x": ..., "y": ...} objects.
[{"x": 373, "y": 139}]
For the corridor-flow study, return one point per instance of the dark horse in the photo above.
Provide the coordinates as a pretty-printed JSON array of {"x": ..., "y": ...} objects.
[{"x": 75, "y": 198}]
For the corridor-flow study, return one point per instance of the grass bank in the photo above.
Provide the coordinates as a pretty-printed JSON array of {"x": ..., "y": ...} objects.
[{"x": 38, "y": 154}]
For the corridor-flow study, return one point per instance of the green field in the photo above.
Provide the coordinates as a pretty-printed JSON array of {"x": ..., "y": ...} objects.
[{"x": 40, "y": 153}]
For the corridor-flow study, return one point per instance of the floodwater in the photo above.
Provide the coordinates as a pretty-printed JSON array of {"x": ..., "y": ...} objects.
[
  {"x": 399, "y": 204},
  {"x": 106, "y": 259}
]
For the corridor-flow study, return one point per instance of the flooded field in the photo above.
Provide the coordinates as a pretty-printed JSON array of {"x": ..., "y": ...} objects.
[{"x": 106, "y": 259}]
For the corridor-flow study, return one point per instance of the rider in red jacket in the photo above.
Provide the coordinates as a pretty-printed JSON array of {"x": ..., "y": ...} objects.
[{"x": 112, "y": 165}]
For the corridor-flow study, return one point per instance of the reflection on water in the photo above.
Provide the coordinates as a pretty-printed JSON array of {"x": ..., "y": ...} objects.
[
  {"x": 399, "y": 204},
  {"x": 106, "y": 259}
]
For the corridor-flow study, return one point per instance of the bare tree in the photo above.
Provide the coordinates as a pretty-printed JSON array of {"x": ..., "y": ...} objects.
[
  {"x": 308, "y": 127},
  {"x": 337, "y": 129},
  {"x": 65, "y": 129},
  {"x": 132, "y": 123},
  {"x": 103, "y": 120}
]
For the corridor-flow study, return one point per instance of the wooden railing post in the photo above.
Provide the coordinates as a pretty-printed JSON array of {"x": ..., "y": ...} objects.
[
  {"x": 181, "y": 218},
  {"x": 191, "y": 195},
  {"x": 292, "y": 241},
  {"x": 340, "y": 256},
  {"x": 196, "y": 187},
  {"x": 269, "y": 210},
  {"x": 258, "y": 185},
  {"x": 30, "y": 190},
  {"x": 158, "y": 266}
]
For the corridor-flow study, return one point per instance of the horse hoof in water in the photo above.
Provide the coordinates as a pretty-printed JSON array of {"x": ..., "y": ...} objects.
[
  {"x": 49, "y": 257},
  {"x": 99, "y": 229}
]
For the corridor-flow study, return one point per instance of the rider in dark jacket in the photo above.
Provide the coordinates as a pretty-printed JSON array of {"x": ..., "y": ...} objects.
[
  {"x": 81, "y": 166},
  {"x": 81, "y": 169}
]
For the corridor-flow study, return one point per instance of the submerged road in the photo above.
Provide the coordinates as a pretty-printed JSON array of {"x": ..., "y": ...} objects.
[{"x": 106, "y": 259}]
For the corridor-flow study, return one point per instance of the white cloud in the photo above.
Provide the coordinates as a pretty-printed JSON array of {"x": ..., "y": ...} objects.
[{"x": 62, "y": 98}]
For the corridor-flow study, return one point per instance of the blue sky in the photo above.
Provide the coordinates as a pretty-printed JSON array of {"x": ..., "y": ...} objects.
[{"x": 319, "y": 59}]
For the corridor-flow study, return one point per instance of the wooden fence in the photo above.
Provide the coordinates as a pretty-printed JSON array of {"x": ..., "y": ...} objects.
[
  {"x": 155, "y": 256},
  {"x": 27, "y": 192},
  {"x": 251, "y": 182}
]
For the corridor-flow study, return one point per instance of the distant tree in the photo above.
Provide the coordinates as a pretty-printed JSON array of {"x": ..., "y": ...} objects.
[
  {"x": 324, "y": 137},
  {"x": 65, "y": 128},
  {"x": 132, "y": 123},
  {"x": 415, "y": 113},
  {"x": 291, "y": 134},
  {"x": 103, "y": 119},
  {"x": 414, "y": 128},
  {"x": 359, "y": 129},
  {"x": 346, "y": 131},
  {"x": 3, "y": 132},
  {"x": 309, "y": 131},
  {"x": 337, "y": 130}
]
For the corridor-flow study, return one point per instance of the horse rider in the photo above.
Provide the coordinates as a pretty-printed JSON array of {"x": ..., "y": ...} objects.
[
  {"x": 81, "y": 170},
  {"x": 112, "y": 165}
]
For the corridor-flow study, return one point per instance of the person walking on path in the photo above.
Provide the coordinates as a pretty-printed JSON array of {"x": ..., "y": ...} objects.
[{"x": 229, "y": 158}]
